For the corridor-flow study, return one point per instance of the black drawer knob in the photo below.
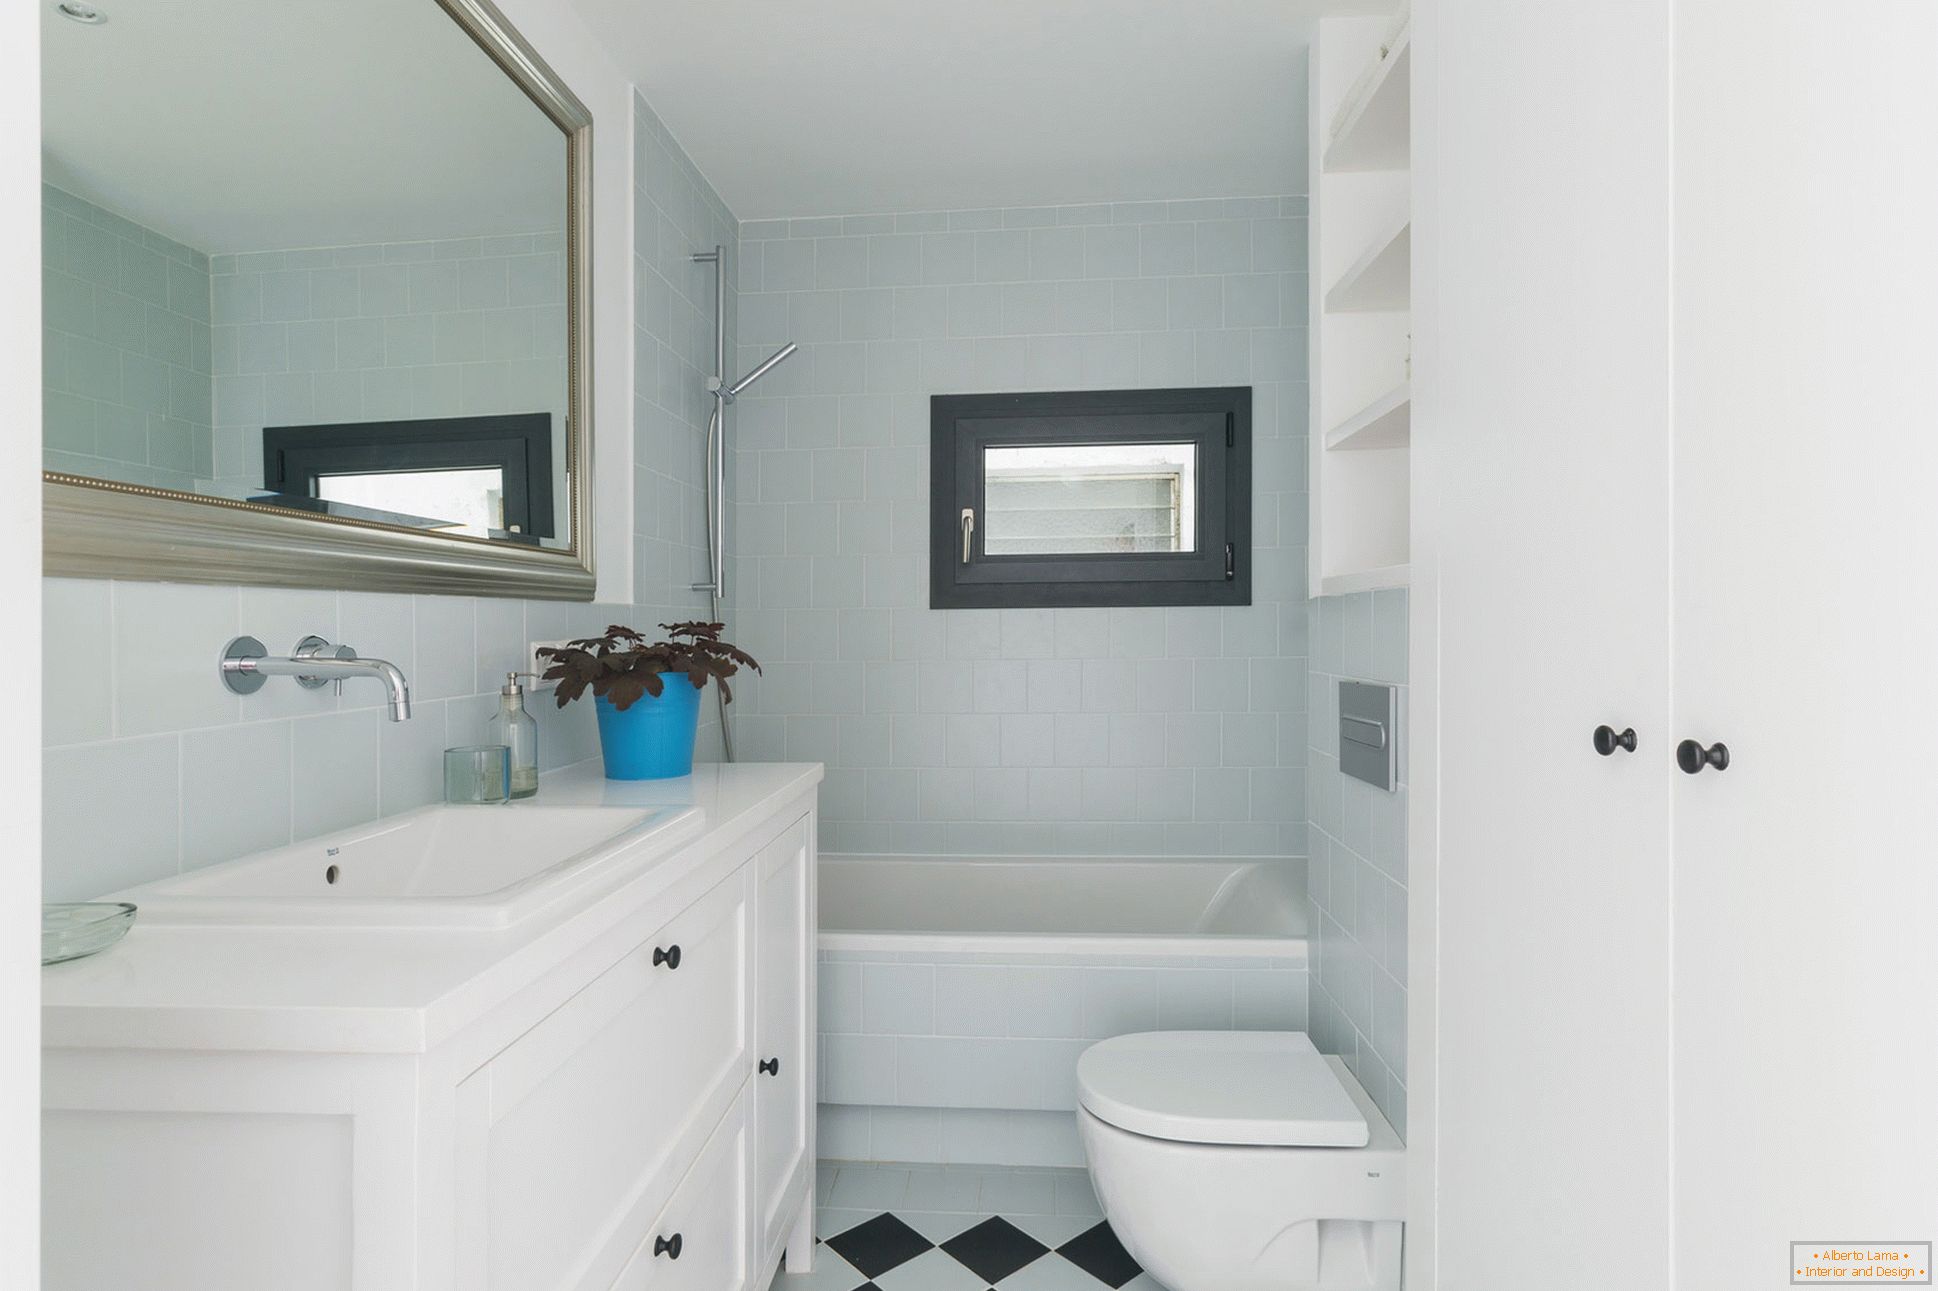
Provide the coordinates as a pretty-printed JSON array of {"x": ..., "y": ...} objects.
[
  {"x": 1607, "y": 740},
  {"x": 668, "y": 1246},
  {"x": 770, "y": 1066},
  {"x": 669, "y": 956},
  {"x": 1693, "y": 757}
]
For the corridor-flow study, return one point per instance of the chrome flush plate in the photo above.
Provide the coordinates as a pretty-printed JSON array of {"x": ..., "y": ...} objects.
[{"x": 1366, "y": 733}]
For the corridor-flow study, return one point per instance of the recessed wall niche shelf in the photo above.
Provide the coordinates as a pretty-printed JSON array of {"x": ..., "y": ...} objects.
[
  {"x": 1387, "y": 422},
  {"x": 1370, "y": 130},
  {"x": 1381, "y": 279},
  {"x": 1360, "y": 259}
]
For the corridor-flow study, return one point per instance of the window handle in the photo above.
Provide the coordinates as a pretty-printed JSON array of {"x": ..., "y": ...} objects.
[{"x": 968, "y": 529}]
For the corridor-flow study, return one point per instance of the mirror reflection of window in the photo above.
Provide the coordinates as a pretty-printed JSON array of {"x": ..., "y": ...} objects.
[
  {"x": 1082, "y": 499},
  {"x": 356, "y": 218},
  {"x": 464, "y": 501}
]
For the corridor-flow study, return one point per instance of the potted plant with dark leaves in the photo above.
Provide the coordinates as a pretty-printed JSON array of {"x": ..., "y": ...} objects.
[{"x": 647, "y": 692}]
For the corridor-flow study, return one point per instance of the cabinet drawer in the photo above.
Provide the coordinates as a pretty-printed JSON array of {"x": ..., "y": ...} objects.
[
  {"x": 705, "y": 1222},
  {"x": 578, "y": 1129}
]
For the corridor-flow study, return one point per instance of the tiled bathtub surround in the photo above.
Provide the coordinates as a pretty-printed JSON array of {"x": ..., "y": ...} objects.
[
  {"x": 126, "y": 348},
  {"x": 971, "y": 1056},
  {"x": 1115, "y": 732},
  {"x": 1358, "y": 870}
]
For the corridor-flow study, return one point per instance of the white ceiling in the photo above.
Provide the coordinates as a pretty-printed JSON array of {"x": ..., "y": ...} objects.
[
  {"x": 240, "y": 125},
  {"x": 851, "y": 106}
]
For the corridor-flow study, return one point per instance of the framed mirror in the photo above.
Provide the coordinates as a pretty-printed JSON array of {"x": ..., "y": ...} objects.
[{"x": 316, "y": 298}]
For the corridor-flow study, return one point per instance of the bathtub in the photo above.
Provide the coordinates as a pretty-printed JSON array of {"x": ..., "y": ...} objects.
[
  {"x": 957, "y": 992},
  {"x": 1086, "y": 904}
]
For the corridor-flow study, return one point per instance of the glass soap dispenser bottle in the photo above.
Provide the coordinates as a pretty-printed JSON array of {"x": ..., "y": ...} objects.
[{"x": 517, "y": 730}]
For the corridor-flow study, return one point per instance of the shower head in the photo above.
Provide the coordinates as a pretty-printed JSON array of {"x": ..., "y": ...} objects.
[{"x": 733, "y": 391}]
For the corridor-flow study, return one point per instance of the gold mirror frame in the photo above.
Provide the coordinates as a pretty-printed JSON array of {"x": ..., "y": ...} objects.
[{"x": 102, "y": 529}]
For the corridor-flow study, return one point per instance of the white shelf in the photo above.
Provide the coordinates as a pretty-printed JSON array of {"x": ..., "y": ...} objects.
[
  {"x": 1359, "y": 454},
  {"x": 1381, "y": 279},
  {"x": 1371, "y": 129},
  {"x": 1365, "y": 580},
  {"x": 1387, "y": 422}
]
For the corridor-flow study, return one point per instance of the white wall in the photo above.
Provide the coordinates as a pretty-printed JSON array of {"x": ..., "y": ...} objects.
[
  {"x": 1126, "y": 731},
  {"x": 20, "y": 325},
  {"x": 1539, "y": 1045}
]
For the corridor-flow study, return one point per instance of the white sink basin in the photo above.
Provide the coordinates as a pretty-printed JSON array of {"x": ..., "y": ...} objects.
[{"x": 441, "y": 866}]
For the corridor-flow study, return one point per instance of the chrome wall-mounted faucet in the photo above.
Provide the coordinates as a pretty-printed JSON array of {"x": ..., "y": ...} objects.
[{"x": 314, "y": 663}]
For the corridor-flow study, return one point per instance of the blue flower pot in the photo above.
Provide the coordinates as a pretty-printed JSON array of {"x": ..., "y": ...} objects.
[{"x": 652, "y": 740}]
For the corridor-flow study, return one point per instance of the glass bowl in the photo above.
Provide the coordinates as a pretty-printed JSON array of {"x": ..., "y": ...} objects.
[{"x": 81, "y": 928}]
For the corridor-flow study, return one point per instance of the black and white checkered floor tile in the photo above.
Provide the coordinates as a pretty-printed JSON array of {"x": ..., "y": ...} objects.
[{"x": 941, "y": 1228}]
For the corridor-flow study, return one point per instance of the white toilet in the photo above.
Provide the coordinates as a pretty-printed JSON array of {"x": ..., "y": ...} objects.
[{"x": 1242, "y": 1161}]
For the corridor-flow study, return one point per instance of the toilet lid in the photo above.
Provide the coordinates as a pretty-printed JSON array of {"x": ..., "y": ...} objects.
[{"x": 1256, "y": 1088}]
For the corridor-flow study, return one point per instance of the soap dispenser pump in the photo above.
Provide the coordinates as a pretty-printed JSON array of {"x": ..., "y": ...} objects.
[{"x": 517, "y": 730}]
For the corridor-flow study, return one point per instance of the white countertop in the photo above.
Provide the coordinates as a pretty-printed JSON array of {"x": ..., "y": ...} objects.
[{"x": 375, "y": 990}]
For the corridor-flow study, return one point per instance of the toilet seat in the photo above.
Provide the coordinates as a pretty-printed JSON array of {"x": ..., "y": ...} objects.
[{"x": 1248, "y": 1088}]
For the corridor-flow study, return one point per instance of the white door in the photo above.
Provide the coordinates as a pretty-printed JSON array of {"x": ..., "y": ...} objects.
[
  {"x": 784, "y": 1031},
  {"x": 1676, "y": 467},
  {"x": 1538, "y": 1093},
  {"x": 1806, "y": 528}
]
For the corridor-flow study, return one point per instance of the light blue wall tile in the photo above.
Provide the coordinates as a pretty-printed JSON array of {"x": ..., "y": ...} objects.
[
  {"x": 125, "y": 332},
  {"x": 1224, "y": 246},
  {"x": 166, "y": 641},
  {"x": 1167, "y": 249},
  {"x": 1358, "y": 840},
  {"x": 410, "y": 755},
  {"x": 111, "y": 816},
  {"x": 235, "y": 791},
  {"x": 898, "y": 999},
  {"x": 76, "y": 616},
  {"x": 347, "y": 744}
]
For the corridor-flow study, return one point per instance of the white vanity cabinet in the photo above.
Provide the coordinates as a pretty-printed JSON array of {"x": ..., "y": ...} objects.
[
  {"x": 705, "y": 1223},
  {"x": 784, "y": 1037},
  {"x": 631, "y": 1109},
  {"x": 565, "y": 1139}
]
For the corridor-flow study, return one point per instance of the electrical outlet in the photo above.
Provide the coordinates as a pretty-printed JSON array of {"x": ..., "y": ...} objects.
[{"x": 537, "y": 666}]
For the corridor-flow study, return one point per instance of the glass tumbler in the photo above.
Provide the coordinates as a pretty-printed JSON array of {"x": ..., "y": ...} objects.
[{"x": 475, "y": 773}]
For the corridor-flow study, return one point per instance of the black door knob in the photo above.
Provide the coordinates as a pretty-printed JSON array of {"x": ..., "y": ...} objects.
[
  {"x": 668, "y": 1246},
  {"x": 770, "y": 1066},
  {"x": 1607, "y": 741},
  {"x": 1693, "y": 757},
  {"x": 667, "y": 955}
]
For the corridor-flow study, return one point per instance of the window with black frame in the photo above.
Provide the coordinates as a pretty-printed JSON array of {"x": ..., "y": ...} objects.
[
  {"x": 1115, "y": 497},
  {"x": 487, "y": 476}
]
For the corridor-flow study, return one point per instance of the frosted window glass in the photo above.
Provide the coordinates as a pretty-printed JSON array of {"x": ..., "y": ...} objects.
[{"x": 1087, "y": 499}]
